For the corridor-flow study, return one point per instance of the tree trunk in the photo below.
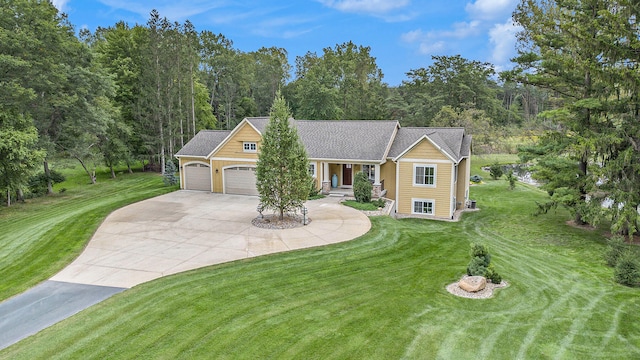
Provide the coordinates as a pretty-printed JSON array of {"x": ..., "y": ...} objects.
[
  {"x": 47, "y": 172},
  {"x": 113, "y": 173},
  {"x": 193, "y": 102},
  {"x": 19, "y": 195},
  {"x": 92, "y": 175},
  {"x": 8, "y": 197}
]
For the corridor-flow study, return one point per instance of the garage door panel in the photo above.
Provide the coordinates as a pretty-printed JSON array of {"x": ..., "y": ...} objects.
[
  {"x": 240, "y": 180},
  {"x": 197, "y": 177}
]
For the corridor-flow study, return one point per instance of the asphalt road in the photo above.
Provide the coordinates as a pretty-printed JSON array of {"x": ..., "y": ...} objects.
[{"x": 44, "y": 305}]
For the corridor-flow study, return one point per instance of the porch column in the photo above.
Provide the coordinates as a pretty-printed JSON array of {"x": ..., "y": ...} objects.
[
  {"x": 326, "y": 182},
  {"x": 377, "y": 187}
]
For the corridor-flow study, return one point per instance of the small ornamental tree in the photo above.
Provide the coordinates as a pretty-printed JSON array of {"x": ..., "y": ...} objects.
[
  {"x": 362, "y": 188},
  {"x": 282, "y": 175}
]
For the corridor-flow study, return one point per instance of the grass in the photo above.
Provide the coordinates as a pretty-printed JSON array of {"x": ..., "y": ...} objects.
[
  {"x": 39, "y": 238},
  {"x": 380, "y": 296},
  {"x": 369, "y": 206}
]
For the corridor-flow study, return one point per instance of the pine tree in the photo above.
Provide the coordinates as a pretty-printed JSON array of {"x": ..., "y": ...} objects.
[{"x": 282, "y": 169}]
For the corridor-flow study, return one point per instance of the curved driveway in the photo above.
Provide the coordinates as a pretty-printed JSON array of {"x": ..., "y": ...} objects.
[{"x": 185, "y": 230}]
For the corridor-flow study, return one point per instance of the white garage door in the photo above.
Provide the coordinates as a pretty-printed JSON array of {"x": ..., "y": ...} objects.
[
  {"x": 197, "y": 177},
  {"x": 240, "y": 180}
]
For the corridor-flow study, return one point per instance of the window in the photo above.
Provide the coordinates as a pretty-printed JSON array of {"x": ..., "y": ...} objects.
[
  {"x": 250, "y": 146},
  {"x": 422, "y": 206},
  {"x": 312, "y": 169},
  {"x": 370, "y": 170},
  {"x": 455, "y": 173},
  {"x": 424, "y": 175}
]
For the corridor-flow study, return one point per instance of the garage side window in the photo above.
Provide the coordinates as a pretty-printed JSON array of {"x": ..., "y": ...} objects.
[{"x": 250, "y": 146}]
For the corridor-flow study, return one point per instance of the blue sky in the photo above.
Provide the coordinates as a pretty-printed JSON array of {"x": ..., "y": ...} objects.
[{"x": 402, "y": 34}]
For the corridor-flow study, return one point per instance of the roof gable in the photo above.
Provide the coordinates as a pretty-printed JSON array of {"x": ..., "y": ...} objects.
[
  {"x": 232, "y": 133},
  {"x": 452, "y": 142},
  {"x": 203, "y": 143}
]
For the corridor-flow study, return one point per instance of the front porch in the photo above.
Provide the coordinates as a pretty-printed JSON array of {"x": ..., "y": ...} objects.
[{"x": 337, "y": 178}]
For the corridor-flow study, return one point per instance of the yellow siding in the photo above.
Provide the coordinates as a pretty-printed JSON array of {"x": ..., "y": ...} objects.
[
  {"x": 335, "y": 169},
  {"x": 233, "y": 148},
  {"x": 425, "y": 150},
  {"x": 220, "y": 165},
  {"x": 318, "y": 179},
  {"x": 388, "y": 174},
  {"x": 186, "y": 160},
  {"x": 463, "y": 183},
  {"x": 440, "y": 194}
]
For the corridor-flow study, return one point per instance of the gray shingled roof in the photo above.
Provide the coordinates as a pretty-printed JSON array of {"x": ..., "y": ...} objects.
[
  {"x": 203, "y": 143},
  {"x": 350, "y": 139},
  {"x": 453, "y": 141},
  {"x": 365, "y": 140}
]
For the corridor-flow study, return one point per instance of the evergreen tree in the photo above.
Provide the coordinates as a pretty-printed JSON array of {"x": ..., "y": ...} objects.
[{"x": 282, "y": 170}]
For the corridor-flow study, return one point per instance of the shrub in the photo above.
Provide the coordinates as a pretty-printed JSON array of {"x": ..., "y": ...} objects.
[
  {"x": 496, "y": 171},
  {"x": 362, "y": 188},
  {"x": 615, "y": 250},
  {"x": 313, "y": 190},
  {"x": 38, "y": 183},
  {"x": 512, "y": 179},
  {"x": 493, "y": 275},
  {"x": 379, "y": 202},
  {"x": 475, "y": 179},
  {"x": 477, "y": 267},
  {"x": 479, "y": 250},
  {"x": 627, "y": 271},
  {"x": 169, "y": 176}
]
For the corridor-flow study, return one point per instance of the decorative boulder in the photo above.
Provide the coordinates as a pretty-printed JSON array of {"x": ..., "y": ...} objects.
[{"x": 472, "y": 283}]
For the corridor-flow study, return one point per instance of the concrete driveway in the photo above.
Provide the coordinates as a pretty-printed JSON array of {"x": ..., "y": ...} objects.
[
  {"x": 185, "y": 230},
  {"x": 165, "y": 235}
]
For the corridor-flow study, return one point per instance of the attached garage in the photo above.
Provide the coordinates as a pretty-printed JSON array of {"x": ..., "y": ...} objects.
[
  {"x": 240, "y": 180},
  {"x": 197, "y": 176}
]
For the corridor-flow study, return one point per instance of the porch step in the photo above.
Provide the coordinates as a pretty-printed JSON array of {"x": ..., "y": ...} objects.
[{"x": 336, "y": 195}]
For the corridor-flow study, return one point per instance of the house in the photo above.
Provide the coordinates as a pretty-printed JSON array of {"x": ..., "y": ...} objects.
[{"x": 425, "y": 170}]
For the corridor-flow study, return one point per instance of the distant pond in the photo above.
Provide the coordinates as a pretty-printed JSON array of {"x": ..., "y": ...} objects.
[{"x": 521, "y": 171}]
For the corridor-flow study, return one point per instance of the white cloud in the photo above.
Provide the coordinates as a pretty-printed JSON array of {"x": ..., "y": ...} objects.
[
  {"x": 366, "y": 6},
  {"x": 440, "y": 40},
  {"x": 490, "y": 9},
  {"x": 503, "y": 39},
  {"x": 60, "y": 4}
]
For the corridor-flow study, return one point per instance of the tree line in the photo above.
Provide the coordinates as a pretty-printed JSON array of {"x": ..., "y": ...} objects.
[
  {"x": 125, "y": 94},
  {"x": 587, "y": 52}
]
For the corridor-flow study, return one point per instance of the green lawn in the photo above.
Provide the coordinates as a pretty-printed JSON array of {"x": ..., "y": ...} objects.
[
  {"x": 381, "y": 296},
  {"x": 368, "y": 206},
  {"x": 39, "y": 238}
]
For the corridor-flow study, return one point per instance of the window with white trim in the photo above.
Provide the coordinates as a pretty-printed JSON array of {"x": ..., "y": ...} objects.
[
  {"x": 312, "y": 169},
  {"x": 250, "y": 146},
  {"x": 455, "y": 173},
  {"x": 424, "y": 175},
  {"x": 370, "y": 170},
  {"x": 423, "y": 206}
]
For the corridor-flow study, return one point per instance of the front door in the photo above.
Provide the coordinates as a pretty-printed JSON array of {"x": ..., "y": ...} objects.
[{"x": 346, "y": 174}]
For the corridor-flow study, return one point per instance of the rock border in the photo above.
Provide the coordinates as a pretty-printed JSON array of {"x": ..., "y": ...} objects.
[
  {"x": 271, "y": 221},
  {"x": 485, "y": 293}
]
